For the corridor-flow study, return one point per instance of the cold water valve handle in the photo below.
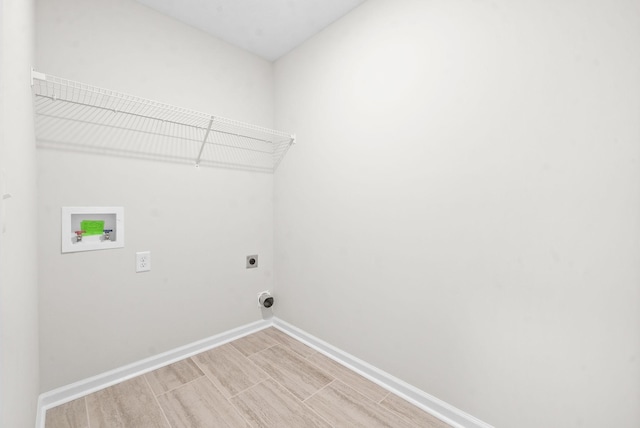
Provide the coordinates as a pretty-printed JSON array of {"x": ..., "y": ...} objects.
[{"x": 106, "y": 234}]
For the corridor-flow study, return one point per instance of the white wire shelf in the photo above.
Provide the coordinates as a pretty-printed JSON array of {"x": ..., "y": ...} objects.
[{"x": 74, "y": 116}]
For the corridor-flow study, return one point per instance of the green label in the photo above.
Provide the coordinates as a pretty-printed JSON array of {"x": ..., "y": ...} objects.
[{"x": 92, "y": 227}]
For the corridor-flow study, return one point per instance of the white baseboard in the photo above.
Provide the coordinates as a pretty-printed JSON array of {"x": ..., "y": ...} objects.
[
  {"x": 444, "y": 411},
  {"x": 438, "y": 408},
  {"x": 84, "y": 387}
]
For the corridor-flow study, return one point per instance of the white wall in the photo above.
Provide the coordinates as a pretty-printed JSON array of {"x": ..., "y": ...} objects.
[
  {"x": 19, "y": 379},
  {"x": 199, "y": 224},
  {"x": 463, "y": 207}
]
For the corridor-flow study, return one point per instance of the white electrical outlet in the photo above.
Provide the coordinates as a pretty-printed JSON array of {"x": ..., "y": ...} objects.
[{"x": 143, "y": 261}]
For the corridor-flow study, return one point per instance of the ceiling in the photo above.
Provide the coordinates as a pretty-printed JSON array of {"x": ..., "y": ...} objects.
[{"x": 268, "y": 28}]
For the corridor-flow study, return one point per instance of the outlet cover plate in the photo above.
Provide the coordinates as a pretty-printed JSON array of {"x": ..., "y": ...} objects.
[
  {"x": 143, "y": 261},
  {"x": 252, "y": 261}
]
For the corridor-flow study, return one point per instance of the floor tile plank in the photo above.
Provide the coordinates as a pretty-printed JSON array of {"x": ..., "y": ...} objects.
[
  {"x": 129, "y": 404},
  {"x": 69, "y": 415},
  {"x": 343, "y": 406},
  {"x": 172, "y": 376},
  {"x": 289, "y": 342},
  {"x": 412, "y": 413},
  {"x": 292, "y": 371},
  {"x": 200, "y": 405},
  {"x": 229, "y": 370},
  {"x": 253, "y": 343},
  {"x": 354, "y": 380},
  {"x": 268, "y": 404}
]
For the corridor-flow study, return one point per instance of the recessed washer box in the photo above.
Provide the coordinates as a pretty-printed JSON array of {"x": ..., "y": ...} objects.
[{"x": 92, "y": 228}]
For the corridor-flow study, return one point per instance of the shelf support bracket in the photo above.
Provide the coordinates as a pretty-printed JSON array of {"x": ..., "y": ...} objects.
[
  {"x": 37, "y": 75},
  {"x": 204, "y": 141}
]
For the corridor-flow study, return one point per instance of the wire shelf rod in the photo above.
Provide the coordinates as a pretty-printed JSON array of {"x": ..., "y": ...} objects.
[
  {"x": 159, "y": 106},
  {"x": 175, "y": 122},
  {"x": 123, "y": 128},
  {"x": 133, "y": 129},
  {"x": 116, "y": 111}
]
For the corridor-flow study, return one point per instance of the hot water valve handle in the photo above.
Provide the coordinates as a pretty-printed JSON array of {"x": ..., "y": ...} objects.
[{"x": 79, "y": 234}]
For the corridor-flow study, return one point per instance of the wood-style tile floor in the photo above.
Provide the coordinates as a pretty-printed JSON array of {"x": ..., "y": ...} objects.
[{"x": 266, "y": 379}]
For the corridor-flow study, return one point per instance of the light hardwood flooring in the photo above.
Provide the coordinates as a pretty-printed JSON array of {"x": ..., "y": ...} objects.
[{"x": 266, "y": 379}]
